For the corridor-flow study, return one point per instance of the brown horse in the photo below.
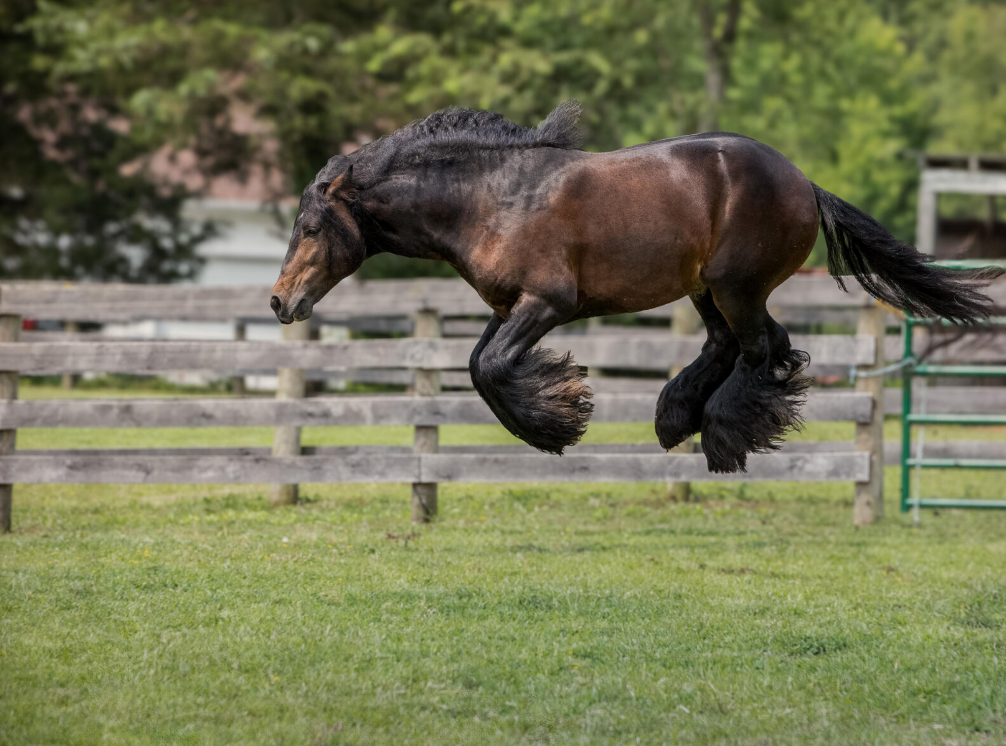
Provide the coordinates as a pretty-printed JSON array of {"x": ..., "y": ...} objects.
[{"x": 547, "y": 233}]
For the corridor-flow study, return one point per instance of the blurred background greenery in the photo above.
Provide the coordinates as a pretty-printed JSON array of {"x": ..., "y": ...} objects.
[{"x": 92, "y": 90}]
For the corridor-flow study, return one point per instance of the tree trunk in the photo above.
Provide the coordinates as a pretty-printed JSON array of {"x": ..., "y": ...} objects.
[{"x": 716, "y": 48}]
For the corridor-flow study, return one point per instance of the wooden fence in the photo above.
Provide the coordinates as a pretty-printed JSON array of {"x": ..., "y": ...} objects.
[{"x": 426, "y": 359}]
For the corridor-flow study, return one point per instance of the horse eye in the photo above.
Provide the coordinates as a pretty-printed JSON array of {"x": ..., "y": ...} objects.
[{"x": 311, "y": 232}]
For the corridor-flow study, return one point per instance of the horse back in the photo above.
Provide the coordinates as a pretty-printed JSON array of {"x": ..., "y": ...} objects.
[{"x": 635, "y": 228}]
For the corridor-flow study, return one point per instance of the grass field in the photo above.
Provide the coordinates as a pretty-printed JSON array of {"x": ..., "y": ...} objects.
[{"x": 526, "y": 614}]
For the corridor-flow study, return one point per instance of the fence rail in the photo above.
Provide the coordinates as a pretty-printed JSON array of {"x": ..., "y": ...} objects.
[
  {"x": 345, "y": 410},
  {"x": 960, "y": 449},
  {"x": 426, "y": 468},
  {"x": 383, "y": 298},
  {"x": 434, "y": 311},
  {"x": 351, "y": 300},
  {"x": 622, "y": 350}
]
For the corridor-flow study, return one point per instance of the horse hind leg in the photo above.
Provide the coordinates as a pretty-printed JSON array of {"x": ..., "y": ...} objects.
[
  {"x": 761, "y": 399},
  {"x": 683, "y": 399}
]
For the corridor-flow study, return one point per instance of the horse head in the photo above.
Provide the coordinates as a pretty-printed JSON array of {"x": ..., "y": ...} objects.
[{"x": 326, "y": 245}]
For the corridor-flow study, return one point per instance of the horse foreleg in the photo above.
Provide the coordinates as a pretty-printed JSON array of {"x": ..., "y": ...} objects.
[
  {"x": 761, "y": 398},
  {"x": 683, "y": 399},
  {"x": 538, "y": 395}
]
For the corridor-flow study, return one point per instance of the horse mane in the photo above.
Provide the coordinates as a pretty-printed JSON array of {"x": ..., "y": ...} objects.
[
  {"x": 456, "y": 134},
  {"x": 487, "y": 130}
]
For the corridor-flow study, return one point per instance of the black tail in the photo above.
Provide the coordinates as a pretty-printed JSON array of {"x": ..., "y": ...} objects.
[{"x": 896, "y": 272}]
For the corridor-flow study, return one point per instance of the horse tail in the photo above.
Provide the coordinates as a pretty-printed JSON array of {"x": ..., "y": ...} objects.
[{"x": 896, "y": 272}]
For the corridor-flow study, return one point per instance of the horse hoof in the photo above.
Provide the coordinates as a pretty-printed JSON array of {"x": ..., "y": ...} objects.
[
  {"x": 672, "y": 434},
  {"x": 679, "y": 414},
  {"x": 721, "y": 460}
]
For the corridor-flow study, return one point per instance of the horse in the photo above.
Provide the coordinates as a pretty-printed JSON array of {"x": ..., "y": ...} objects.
[{"x": 547, "y": 233}]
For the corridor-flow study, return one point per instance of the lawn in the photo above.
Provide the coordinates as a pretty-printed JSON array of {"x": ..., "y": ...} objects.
[{"x": 526, "y": 614}]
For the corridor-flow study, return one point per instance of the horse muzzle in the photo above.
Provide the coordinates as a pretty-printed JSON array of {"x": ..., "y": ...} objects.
[{"x": 287, "y": 313}]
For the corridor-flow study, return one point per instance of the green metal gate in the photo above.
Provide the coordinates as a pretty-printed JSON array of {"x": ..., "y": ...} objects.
[{"x": 910, "y": 419}]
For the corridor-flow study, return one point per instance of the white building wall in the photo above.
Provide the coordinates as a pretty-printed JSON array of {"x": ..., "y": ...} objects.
[
  {"x": 248, "y": 251},
  {"x": 251, "y": 244}
]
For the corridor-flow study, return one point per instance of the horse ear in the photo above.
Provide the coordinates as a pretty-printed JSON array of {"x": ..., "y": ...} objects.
[{"x": 341, "y": 186}]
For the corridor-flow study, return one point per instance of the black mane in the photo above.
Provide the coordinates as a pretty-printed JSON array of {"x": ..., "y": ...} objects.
[
  {"x": 457, "y": 134},
  {"x": 487, "y": 130}
]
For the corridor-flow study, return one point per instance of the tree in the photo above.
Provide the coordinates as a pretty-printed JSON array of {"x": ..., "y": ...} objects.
[
  {"x": 67, "y": 208},
  {"x": 969, "y": 87},
  {"x": 717, "y": 45},
  {"x": 843, "y": 88},
  {"x": 834, "y": 87}
]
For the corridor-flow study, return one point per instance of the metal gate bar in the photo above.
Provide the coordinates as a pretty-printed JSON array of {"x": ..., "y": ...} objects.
[{"x": 908, "y": 419}]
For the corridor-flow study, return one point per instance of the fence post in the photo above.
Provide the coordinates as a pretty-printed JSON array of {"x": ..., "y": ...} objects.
[
  {"x": 286, "y": 438},
  {"x": 428, "y": 324},
  {"x": 69, "y": 380},
  {"x": 684, "y": 320},
  {"x": 927, "y": 218},
  {"x": 869, "y": 501},
  {"x": 10, "y": 328},
  {"x": 238, "y": 387}
]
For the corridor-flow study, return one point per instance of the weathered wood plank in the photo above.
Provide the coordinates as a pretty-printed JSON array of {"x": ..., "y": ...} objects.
[
  {"x": 426, "y": 439},
  {"x": 395, "y": 298},
  {"x": 797, "y": 467},
  {"x": 99, "y": 468},
  {"x": 966, "y": 449},
  {"x": 238, "y": 386},
  {"x": 801, "y": 291},
  {"x": 977, "y": 346},
  {"x": 647, "y": 352},
  {"x": 469, "y": 327},
  {"x": 42, "y": 358},
  {"x": 388, "y": 409},
  {"x": 840, "y": 406},
  {"x": 935, "y": 449},
  {"x": 117, "y": 302},
  {"x": 973, "y": 349},
  {"x": 419, "y": 290},
  {"x": 952, "y": 400},
  {"x": 290, "y": 386},
  {"x": 615, "y": 350},
  {"x": 10, "y": 328},
  {"x": 868, "y": 504},
  {"x": 627, "y": 385}
]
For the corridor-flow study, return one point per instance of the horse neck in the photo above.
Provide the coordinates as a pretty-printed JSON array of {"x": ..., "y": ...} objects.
[
  {"x": 429, "y": 215},
  {"x": 419, "y": 221}
]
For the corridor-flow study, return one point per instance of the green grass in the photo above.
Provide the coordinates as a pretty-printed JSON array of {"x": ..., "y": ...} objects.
[{"x": 526, "y": 614}]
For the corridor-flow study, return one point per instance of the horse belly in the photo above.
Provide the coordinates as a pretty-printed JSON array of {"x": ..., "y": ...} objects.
[{"x": 639, "y": 239}]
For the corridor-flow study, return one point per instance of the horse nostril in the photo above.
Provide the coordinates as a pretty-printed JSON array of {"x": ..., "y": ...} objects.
[{"x": 275, "y": 303}]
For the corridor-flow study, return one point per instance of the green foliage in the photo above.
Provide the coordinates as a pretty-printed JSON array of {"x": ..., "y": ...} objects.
[
  {"x": 842, "y": 88},
  {"x": 832, "y": 89},
  {"x": 970, "y": 88},
  {"x": 69, "y": 206}
]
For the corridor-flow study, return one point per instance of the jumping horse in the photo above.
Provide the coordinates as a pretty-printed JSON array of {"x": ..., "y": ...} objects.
[{"x": 547, "y": 233}]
